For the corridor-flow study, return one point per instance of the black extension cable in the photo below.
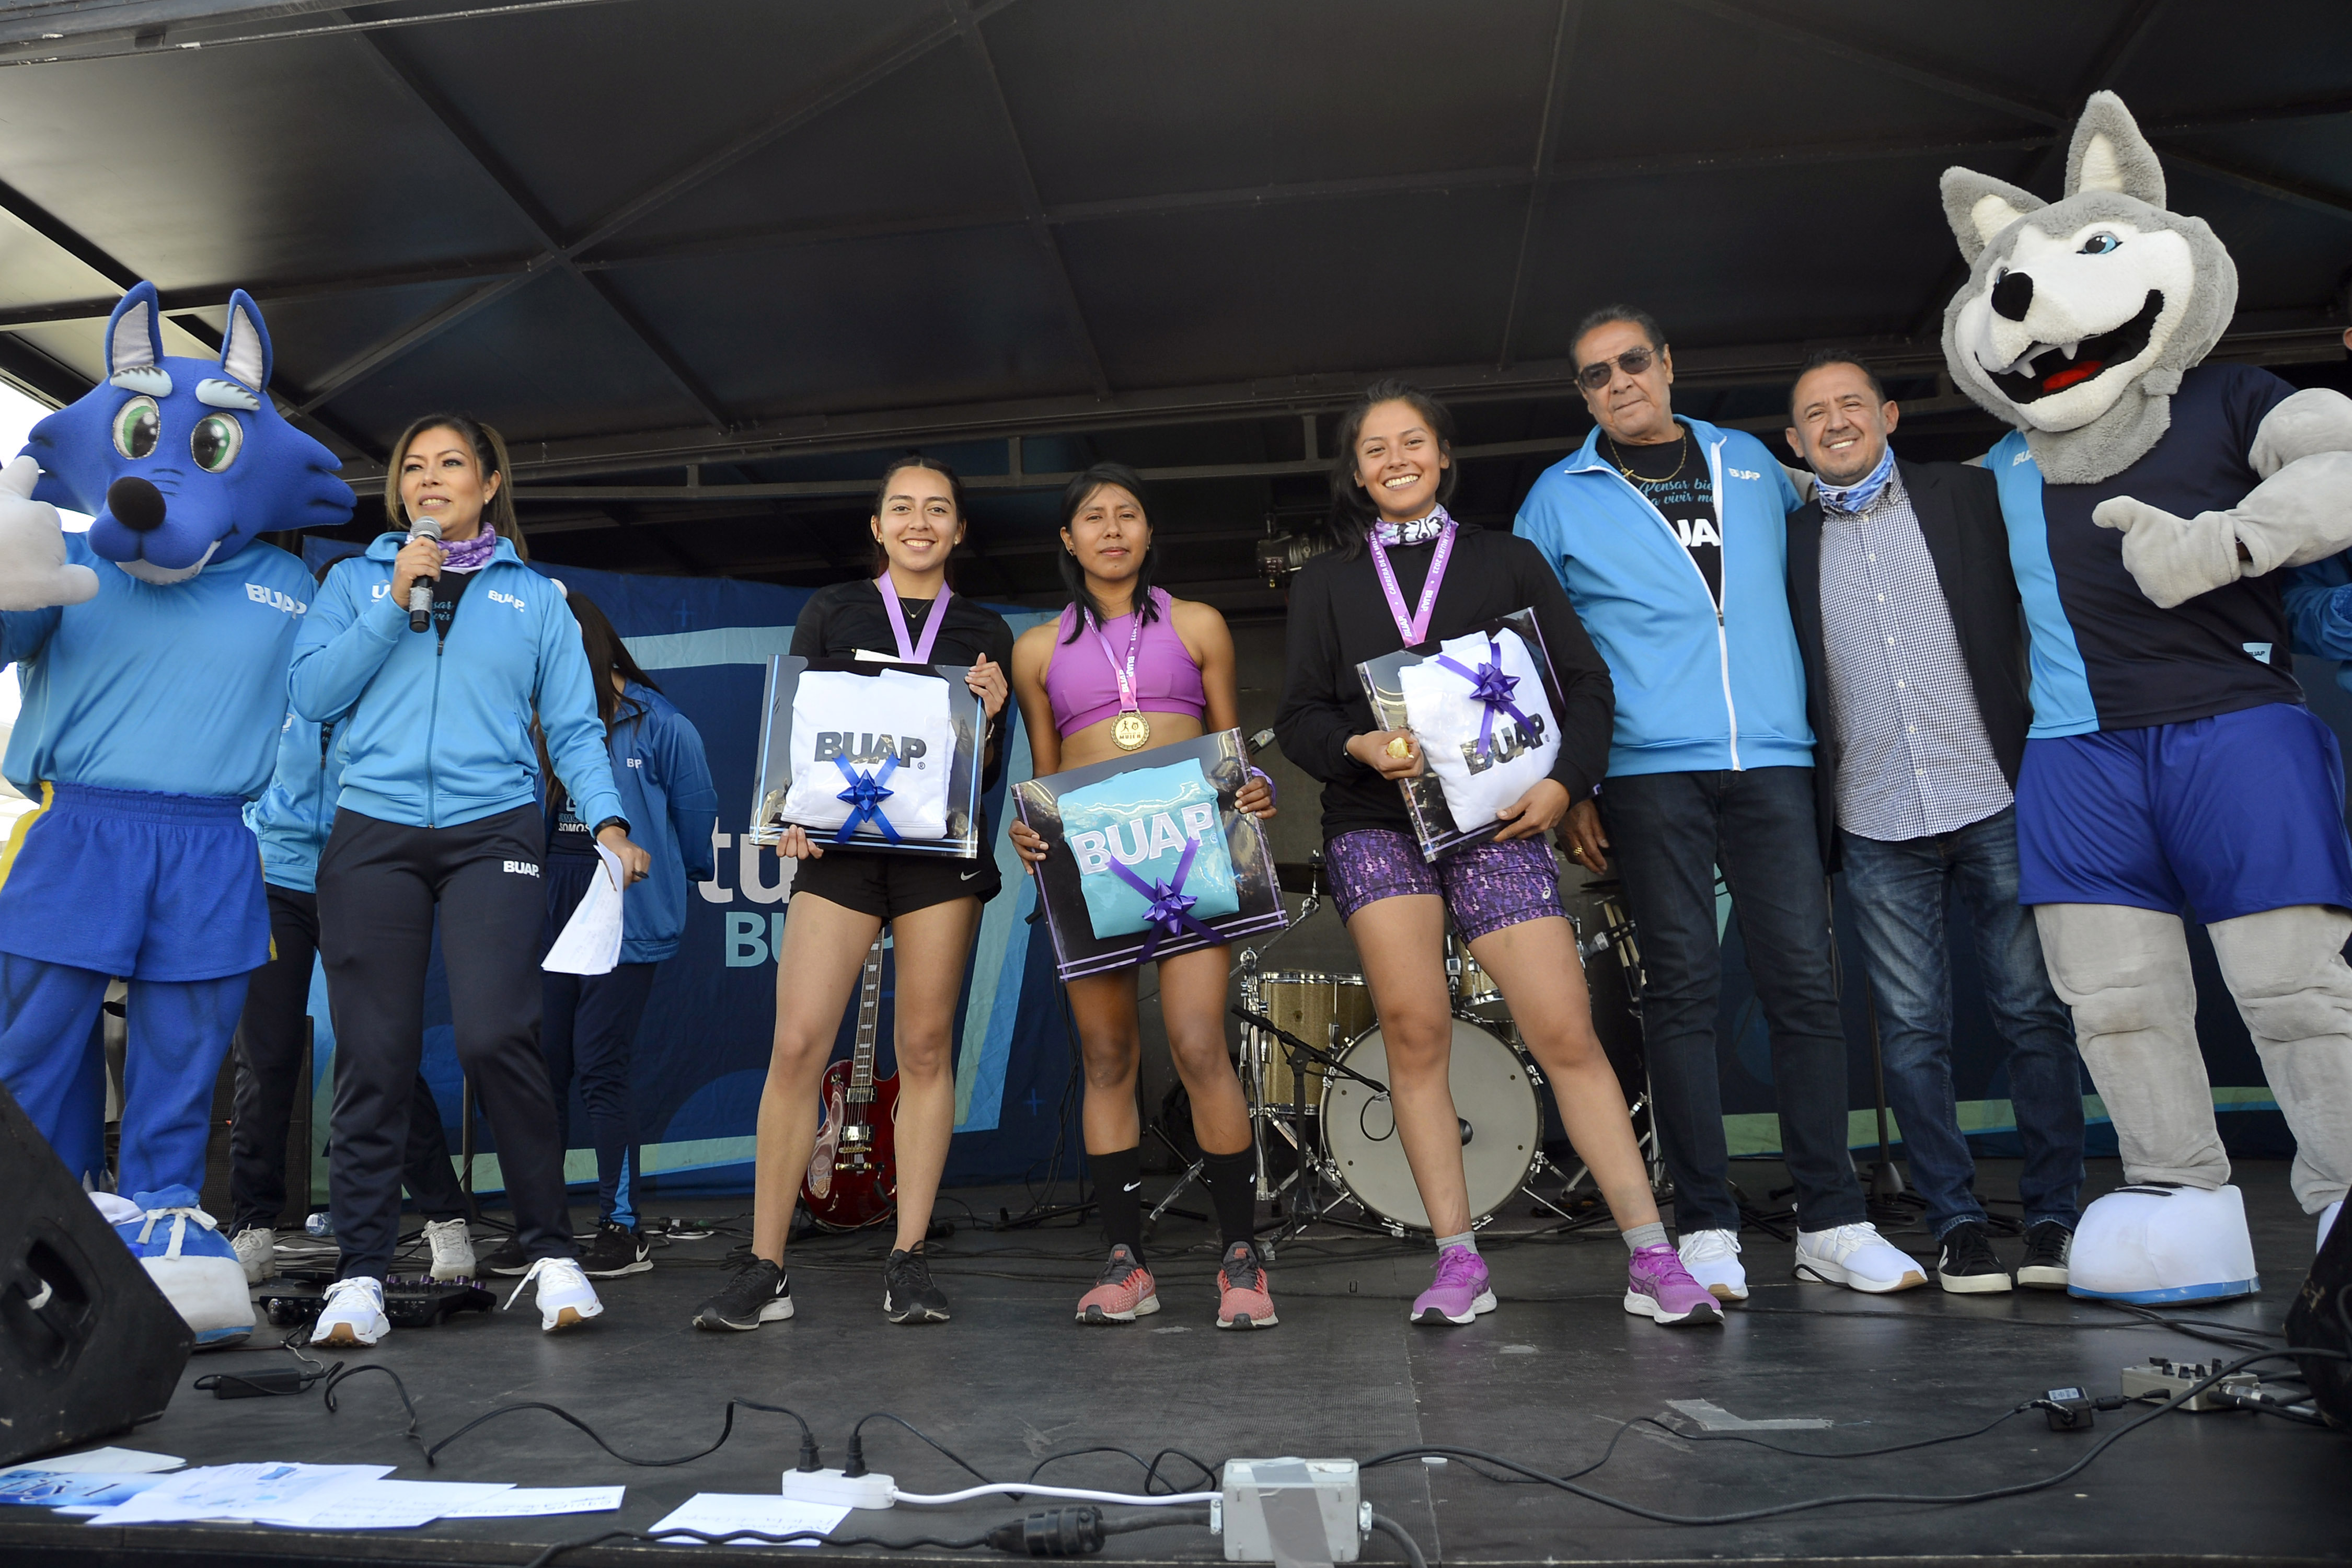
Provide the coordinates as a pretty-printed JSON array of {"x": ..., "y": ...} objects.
[
  {"x": 809, "y": 1460},
  {"x": 1051, "y": 1532}
]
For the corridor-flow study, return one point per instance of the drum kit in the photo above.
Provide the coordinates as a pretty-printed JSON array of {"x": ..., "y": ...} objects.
[{"x": 1313, "y": 1066}]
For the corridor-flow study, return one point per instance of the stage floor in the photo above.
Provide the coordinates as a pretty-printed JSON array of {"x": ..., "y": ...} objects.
[{"x": 1549, "y": 1380}]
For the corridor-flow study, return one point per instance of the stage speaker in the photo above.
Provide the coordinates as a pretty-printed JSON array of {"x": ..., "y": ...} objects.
[
  {"x": 89, "y": 1346},
  {"x": 2321, "y": 1319}
]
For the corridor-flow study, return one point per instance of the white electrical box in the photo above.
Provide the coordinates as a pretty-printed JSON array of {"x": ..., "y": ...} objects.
[{"x": 1292, "y": 1511}]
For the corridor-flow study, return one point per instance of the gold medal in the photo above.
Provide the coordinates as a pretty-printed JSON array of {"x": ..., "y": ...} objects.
[{"x": 1130, "y": 732}]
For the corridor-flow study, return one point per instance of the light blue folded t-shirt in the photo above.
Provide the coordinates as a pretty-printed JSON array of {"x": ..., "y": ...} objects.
[{"x": 1144, "y": 821}]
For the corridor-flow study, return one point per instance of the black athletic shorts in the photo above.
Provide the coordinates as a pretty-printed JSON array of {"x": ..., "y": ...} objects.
[{"x": 887, "y": 886}]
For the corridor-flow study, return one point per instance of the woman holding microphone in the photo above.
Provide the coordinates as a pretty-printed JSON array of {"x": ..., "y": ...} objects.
[{"x": 438, "y": 806}]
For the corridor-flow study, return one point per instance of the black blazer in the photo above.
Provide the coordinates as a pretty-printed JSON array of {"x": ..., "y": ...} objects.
[{"x": 1958, "y": 507}]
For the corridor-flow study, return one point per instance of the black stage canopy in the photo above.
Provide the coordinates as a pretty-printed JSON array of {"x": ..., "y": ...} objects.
[{"x": 705, "y": 262}]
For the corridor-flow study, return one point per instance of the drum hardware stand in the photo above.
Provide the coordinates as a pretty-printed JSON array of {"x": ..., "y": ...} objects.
[{"x": 1309, "y": 1203}]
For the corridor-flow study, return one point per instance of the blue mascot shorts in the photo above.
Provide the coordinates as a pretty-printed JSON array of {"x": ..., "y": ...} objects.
[
  {"x": 152, "y": 886},
  {"x": 2223, "y": 816}
]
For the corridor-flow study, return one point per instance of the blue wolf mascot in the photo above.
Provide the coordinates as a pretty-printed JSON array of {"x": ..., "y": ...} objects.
[
  {"x": 152, "y": 653},
  {"x": 2155, "y": 504}
]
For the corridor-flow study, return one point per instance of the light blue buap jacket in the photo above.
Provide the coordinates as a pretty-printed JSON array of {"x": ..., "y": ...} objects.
[{"x": 1698, "y": 690}]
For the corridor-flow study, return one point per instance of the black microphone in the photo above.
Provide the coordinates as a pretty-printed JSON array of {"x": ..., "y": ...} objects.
[{"x": 420, "y": 592}]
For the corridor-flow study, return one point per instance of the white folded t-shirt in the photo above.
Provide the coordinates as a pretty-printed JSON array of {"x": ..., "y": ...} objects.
[
  {"x": 1445, "y": 718},
  {"x": 864, "y": 720}
]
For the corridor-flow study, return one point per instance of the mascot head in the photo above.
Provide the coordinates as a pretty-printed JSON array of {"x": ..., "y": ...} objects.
[
  {"x": 2079, "y": 316},
  {"x": 182, "y": 461}
]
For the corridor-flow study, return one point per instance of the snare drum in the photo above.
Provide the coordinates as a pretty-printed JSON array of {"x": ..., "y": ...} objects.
[
  {"x": 1491, "y": 1095},
  {"x": 1327, "y": 1011}
]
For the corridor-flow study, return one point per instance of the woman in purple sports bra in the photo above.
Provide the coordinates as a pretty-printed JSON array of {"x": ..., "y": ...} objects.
[{"x": 1128, "y": 668}]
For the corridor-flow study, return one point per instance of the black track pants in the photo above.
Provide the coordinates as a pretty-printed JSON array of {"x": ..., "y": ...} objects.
[
  {"x": 270, "y": 1039},
  {"x": 378, "y": 884}
]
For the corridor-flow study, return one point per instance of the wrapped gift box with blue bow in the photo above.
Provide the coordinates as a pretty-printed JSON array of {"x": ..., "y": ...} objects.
[
  {"x": 870, "y": 757},
  {"x": 1147, "y": 857}
]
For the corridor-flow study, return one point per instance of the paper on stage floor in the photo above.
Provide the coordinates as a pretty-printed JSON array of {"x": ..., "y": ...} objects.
[
  {"x": 715, "y": 1513},
  {"x": 591, "y": 940},
  {"x": 232, "y": 1492},
  {"x": 359, "y": 1503},
  {"x": 113, "y": 1461},
  {"x": 79, "y": 1491},
  {"x": 522, "y": 1502}
]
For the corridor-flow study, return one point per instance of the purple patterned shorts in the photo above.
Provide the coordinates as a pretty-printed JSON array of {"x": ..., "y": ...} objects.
[{"x": 1485, "y": 886}]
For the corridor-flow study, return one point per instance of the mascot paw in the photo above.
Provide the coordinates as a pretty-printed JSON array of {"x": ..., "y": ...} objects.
[
  {"x": 192, "y": 1264},
  {"x": 34, "y": 571},
  {"x": 2151, "y": 1242},
  {"x": 2173, "y": 559}
]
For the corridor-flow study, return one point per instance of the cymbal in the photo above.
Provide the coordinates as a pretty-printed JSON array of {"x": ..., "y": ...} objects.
[{"x": 1300, "y": 876}]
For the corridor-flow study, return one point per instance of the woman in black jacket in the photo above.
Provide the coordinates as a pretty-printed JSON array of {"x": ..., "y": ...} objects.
[{"x": 1407, "y": 574}]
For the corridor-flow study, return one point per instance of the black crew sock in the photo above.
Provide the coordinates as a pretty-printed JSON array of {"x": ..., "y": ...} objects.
[
  {"x": 1232, "y": 1187},
  {"x": 1119, "y": 1184}
]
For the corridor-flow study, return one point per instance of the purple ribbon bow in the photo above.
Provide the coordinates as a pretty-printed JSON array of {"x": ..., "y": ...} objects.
[
  {"x": 1170, "y": 910},
  {"x": 865, "y": 796},
  {"x": 1490, "y": 686}
]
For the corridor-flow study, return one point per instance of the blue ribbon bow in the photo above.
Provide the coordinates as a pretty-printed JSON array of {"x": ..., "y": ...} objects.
[
  {"x": 1169, "y": 910},
  {"x": 1490, "y": 686},
  {"x": 865, "y": 796}
]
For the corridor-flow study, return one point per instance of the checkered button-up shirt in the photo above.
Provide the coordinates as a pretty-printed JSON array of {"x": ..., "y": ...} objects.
[{"x": 1913, "y": 756}]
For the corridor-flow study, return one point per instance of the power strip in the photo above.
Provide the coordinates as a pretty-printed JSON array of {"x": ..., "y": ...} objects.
[{"x": 832, "y": 1489}]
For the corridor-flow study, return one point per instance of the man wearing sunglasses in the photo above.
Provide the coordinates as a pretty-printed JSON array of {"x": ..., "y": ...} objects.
[{"x": 1671, "y": 538}]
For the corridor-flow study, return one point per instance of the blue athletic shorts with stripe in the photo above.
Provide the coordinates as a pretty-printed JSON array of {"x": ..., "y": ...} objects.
[
  {"x": 2223, "y": 816},
  {"x": 155, "y": 887}
]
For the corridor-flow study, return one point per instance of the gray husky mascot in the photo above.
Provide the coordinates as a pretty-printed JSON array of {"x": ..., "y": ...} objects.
[{"x": 2153, "y": 504}]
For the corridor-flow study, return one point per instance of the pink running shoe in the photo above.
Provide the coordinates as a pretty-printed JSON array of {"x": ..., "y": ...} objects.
[
  {"x": 1122, "y": 1293},
  {"x": 1243, "y": 1300},
  {"x": 1657, "y": 1286},
  {"x": 1460, "y": 1291}
]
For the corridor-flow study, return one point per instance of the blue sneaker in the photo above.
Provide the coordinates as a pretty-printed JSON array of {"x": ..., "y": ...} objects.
[{"x": 192, "y": 1263}]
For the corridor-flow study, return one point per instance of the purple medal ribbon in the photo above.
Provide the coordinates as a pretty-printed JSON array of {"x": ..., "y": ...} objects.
[
  {"x": 1414, "y": 629},
  {"x": 909, "y": 648},
  {"x": 1170, "y": 910},
  {"x": 1127, "y": 703},
  {"x": 865, "y": 796},
  {"x": 1490, "y": 686}
]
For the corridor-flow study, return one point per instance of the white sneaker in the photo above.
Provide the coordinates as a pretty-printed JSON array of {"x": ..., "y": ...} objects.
[
  {"x": 566, "y": 1300},
  {"x": 1713, "y": 1258},
  {"x": 2326, "y": 1223},
  {"x": 453, "y": 1249},
  {"x": 353, "y": 1314},
  {"x": 1857, "y": 1256},
  {"x": 256, "y": 1248}
]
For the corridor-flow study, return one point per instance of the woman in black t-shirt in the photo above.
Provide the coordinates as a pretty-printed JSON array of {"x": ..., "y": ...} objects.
[
  {"x": 843, "y": 897},
  {"x": 1407, "y": 574}
]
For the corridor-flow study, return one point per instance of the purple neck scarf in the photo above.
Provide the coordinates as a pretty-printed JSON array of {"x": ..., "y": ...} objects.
[{"x": 471, "y": 555}]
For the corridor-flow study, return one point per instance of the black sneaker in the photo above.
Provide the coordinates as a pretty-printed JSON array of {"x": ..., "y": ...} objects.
[
  {"x": 1967, "y": 1265},
  {"x": 2043, "y": 1267},
  {"x": 507, "y": 1258},
  {"x": 617, "y": 1250},
  {"x": 907, "y": 1294},
  {"x": 758, "y": 1294}
]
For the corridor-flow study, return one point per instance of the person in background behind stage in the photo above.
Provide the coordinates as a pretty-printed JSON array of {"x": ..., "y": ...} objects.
[
  {"x": 1407, "y": 574},
  {"x": 841, "y": 897},
  {"x": 291, "y": 819},
  {"x": 589, "y": 1021},
  {"x": 1906, "y": 611},
  {"x": 439, "y": 808},
  {"x": 1122, "y": 650},
  {"x": 1671, "y": 538}
]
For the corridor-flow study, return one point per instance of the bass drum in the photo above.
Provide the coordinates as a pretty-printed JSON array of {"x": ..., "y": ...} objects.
[{"x": 1491, "y": 1095}]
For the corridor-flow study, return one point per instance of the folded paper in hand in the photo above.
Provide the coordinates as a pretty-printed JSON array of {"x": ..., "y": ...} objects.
[{"x": 590, "y": 942}]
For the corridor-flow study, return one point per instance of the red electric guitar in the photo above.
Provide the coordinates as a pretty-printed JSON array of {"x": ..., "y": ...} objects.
[{"x": 853, "y": 1180}]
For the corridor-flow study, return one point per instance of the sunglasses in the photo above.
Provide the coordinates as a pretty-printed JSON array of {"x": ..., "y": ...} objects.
[{"x": 1632, "y": 362}]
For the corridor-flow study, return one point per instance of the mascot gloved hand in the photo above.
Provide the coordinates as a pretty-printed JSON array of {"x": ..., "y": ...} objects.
[
  {"x": 2151, "y": 501},
  {"x": 34, "y": 571},
  {"x": 152, "y": 651}
]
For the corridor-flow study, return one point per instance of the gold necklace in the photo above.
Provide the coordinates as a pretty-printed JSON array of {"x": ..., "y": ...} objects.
[{"x": 1635, "y": 480}]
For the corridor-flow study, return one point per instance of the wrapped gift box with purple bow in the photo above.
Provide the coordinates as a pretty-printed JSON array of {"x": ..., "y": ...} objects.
[
  {"x": 870, "y": 756},
  {"x": 1482, "y": 706},
  {"x": 1147, "y": 857}
]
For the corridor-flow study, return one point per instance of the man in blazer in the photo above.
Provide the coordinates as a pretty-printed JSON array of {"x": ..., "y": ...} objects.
[{"x": 1906, "y": 614}]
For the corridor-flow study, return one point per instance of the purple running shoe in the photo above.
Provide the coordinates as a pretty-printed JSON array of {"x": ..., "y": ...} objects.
[
  {"x": 1657, "y": 1286},
  {"x": 1460, "y": 1291}
]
